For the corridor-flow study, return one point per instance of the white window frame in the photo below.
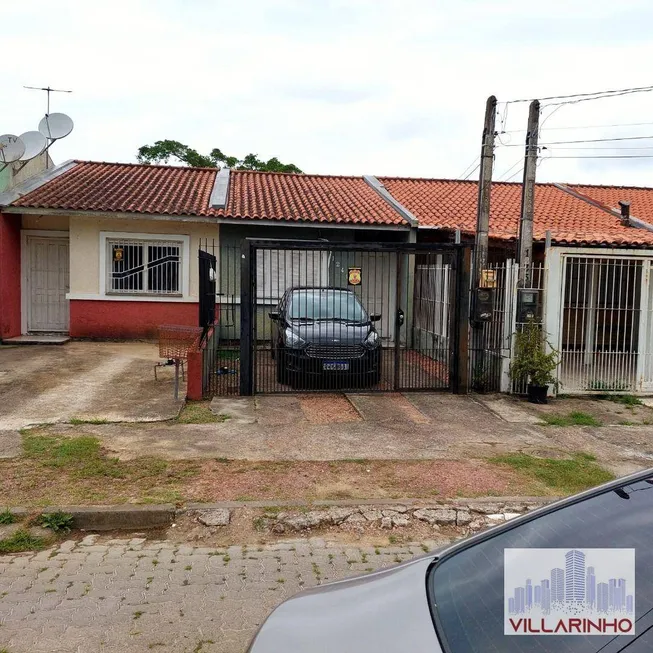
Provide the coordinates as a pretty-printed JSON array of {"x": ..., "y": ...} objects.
[{"x": 184, "y": 267}]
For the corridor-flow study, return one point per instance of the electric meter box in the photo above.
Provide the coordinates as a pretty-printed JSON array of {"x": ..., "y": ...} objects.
[
  {"x": 483, "y": 304},
  {"x": 528, "y": 303}
]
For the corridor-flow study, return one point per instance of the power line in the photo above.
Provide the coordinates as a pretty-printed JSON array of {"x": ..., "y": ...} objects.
[
  {"x": 469, "y": 174},
  {"x": 587, "y": 140},
  {"x": 598, "y": 97},
  {"x": 605, "y": 156},
  {"x": 515, "y": 174},
  {"x": 625, "y": 124},
  {"x": 619, "y": 91},
  {"x": 645, "y": 147},
  {"x": 465, "y": 171},
  {"x": 514, "y": 165}
]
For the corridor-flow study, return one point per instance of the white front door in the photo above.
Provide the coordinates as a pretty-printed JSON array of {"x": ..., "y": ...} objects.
[{"x": 46, "y": 281}]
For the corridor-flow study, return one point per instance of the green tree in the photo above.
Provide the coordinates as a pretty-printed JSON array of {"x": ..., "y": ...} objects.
[{"x": 163, "y": 151}]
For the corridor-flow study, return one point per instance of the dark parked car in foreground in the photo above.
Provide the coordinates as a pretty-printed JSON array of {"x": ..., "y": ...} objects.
[
  {"x": 453, "y": 600},
  {"x": 325, "y": 334}
]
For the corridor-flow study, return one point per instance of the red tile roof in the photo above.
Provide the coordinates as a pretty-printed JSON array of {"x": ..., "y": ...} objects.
[
  {"x": 450, "y": 204},
  {"x": 129, "y": 188},
  {"x": 437, "y": 203},
  {"x": 172, "y": 190},
  {"x": 307, "y": 198}
]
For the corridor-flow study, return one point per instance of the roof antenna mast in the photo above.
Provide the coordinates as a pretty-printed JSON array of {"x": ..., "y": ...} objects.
[{"x": 48, "y": 90}]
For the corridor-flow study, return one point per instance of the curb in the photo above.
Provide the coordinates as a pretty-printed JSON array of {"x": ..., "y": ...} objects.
[
  {"x": 345, "y": 503},
  {"x": 147, "y": 517},
  {"x": 110, "y": 518}
]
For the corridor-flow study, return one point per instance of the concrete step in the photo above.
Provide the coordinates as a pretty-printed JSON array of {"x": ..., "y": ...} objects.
[{"x": 45, "y": 339}]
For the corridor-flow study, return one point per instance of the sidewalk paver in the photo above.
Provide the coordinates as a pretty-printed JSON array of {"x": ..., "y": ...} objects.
[{"x": 125, "y": 601}]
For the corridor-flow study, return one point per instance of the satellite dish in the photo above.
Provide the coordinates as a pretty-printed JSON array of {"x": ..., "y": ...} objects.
[
  {"x": 35, "y": 143},
  {"x": 11, "y": 148},
  {"x": 55, "y": 125}
]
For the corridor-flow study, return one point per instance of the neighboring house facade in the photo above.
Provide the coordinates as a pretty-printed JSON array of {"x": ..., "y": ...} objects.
[
  {"x": 104, "y": 250},
  {"x": 107, "y": 250},
  {"x": 592, "y": 267}
]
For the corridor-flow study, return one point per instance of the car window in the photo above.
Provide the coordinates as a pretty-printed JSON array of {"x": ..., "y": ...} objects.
[
  {"x": 325, "y": 305},
  {"x": 466, "y": 590}
]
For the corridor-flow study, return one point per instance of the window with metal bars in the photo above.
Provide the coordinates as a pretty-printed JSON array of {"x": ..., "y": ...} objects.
[{"x": 144, "y": 267}]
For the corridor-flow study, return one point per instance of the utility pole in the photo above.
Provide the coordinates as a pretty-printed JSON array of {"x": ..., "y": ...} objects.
[
  {"x": 525, "y": 254},
  {"x": 482, "y": 310},
  {"x": 484, "y": 187}
]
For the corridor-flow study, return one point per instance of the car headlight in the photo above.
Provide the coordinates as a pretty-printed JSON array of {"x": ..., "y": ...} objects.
[
  {"x": 291, "y": 339},
  {"x": 372, "y": 339}
]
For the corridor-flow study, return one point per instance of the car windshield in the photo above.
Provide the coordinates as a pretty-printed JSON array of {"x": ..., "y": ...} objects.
[
  {"x": 327, "y": 304},
  {"x": 467, "y": 589}
]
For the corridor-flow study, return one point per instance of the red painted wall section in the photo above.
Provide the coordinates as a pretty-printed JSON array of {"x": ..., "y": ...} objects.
[
  {"x": 194, "y": 376},
  {"x": 125, "y": 320},
  {"x": 194, "y": 389},
  {"x": 9, "y": 275}
]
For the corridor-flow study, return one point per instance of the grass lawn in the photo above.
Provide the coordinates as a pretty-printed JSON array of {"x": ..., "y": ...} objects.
[
  {"x": 574, "y": 418},
  {"x": 23, "y": 541},
  {"x": 562, "y": 475},
  {"x": 199, "y": 412}
]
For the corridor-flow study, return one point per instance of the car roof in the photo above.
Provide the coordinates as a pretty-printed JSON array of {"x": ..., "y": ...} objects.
[{"x": 295, "y": 288}]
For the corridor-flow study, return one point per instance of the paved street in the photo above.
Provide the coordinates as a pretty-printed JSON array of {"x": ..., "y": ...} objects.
[{"x": 137, "y": 595}]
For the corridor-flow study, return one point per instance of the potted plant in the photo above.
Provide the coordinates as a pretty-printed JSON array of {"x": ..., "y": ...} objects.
[{"x": 532, "y": 363}]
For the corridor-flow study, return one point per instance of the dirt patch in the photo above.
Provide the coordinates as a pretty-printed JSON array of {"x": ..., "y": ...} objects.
[
  {"x": 614, "y": 411},
  {"x": 77, "y": 470},
  {"x": 246, "y": 481},
  {"x": 84, "y": 381},
  {"x": 329, "y": 408}
]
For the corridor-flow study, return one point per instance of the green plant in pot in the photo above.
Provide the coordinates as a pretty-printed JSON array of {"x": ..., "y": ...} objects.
[{"x": 533, "y": 363}]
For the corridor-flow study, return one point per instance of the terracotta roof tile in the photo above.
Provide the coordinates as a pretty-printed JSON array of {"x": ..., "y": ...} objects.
[
  {"x": 437, "y": 203},
  {"x": 172, "y": 190},
  {"x": 120, "y": 187},
  {"x": 448, "y": 204},
  {"x": 307, "y": 198}
]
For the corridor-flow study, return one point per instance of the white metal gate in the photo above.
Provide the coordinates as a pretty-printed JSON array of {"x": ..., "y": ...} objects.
[
  {"x": 605, "y": 324},
  {"x": 47, "y": 280}
]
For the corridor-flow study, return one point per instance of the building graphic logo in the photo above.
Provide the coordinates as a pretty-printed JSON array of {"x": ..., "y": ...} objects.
[{"x": 569, "y": 591}]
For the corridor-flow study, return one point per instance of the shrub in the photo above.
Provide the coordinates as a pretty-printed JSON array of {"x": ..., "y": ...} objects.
[
  {"x": 531, "y": 361},
  {"x": 57, "y": 521}
]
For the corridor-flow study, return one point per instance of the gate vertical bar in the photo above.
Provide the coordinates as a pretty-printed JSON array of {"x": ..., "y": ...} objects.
[
  {"x": 398, "y": 309},
  {"x": 509, "y": 322},
  {"x": 642, "y": 340},
  {"x": 247, "y": 292},
  {"x": 460, "y": 368}
]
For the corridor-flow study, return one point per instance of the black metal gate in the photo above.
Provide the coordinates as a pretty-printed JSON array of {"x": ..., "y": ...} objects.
[{"x": 356, "y": 317}]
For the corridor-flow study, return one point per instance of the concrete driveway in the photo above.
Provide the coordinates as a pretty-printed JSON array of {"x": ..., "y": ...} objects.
[
  {"x": 410, "y": 426},
  {"x": 99, "y": 381}
]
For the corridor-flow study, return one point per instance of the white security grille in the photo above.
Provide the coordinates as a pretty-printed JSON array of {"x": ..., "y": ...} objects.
[
  {"x": 432, "y": 300},
  {"x": 144, "y": 267},
  {"x": 600, "y": 335}
]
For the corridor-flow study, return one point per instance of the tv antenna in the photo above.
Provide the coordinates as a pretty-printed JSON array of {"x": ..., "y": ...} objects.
[
  {"x": 48, "y": 90},
  {"x": 21, "y": 149}
]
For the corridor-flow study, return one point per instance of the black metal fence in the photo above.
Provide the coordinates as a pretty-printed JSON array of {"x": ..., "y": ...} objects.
[
  {"x": 413, "y": 298},
  {"x": 356, "y": 317}
]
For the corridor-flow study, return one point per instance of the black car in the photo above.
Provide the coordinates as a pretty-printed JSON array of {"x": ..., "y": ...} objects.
[{"x": 325, "y": 334}]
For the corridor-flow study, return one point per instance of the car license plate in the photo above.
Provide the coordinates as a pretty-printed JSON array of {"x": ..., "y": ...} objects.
[{"x": 335, "y": 365}]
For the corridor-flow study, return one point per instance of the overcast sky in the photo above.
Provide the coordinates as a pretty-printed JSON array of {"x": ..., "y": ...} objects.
[{"x": 379, "y": 87}]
